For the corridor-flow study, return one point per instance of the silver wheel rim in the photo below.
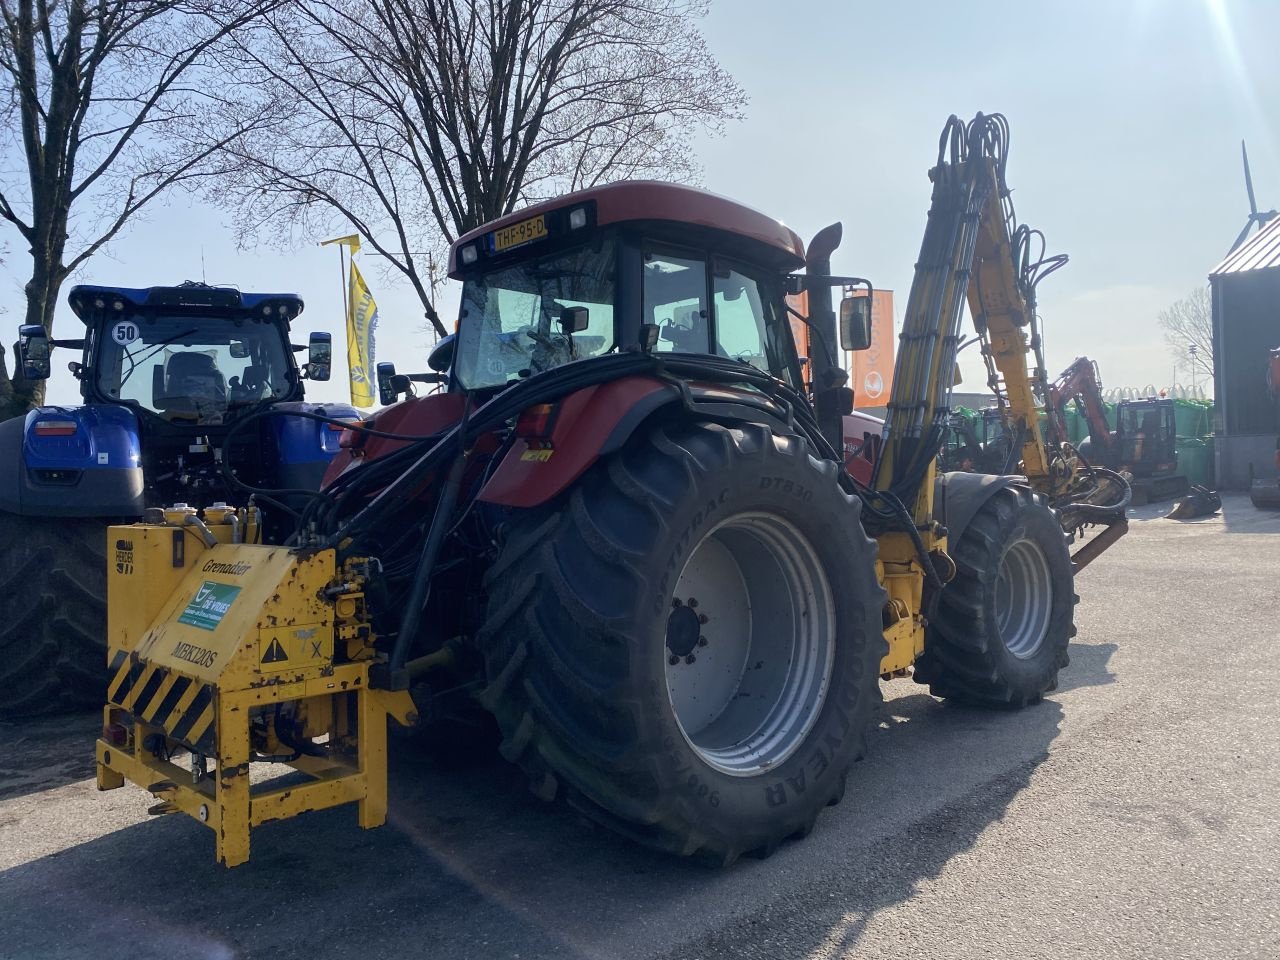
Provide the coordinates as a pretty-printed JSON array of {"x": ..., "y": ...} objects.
[
  {"x": 750, "y": 644},
  {"x": 1024, "y": 598}
]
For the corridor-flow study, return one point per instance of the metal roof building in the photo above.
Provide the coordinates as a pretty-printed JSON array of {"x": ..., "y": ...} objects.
[
  {"x": 1246, "y": 326},
  {"x": 1262, "y": 252}
]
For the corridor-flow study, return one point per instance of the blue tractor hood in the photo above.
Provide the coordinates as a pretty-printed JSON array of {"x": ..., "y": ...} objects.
[{"x": 85, "y": 299}]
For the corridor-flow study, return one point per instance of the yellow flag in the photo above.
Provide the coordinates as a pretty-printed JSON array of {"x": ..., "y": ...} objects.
[
  {"x": 351, "y": 240},
  {"x": 362, "y": 318}
]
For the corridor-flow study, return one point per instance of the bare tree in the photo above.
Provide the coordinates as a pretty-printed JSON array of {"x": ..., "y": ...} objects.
[
  {"x": 417, "y": 120},
  {"x": 1188, "y": 330},
  {"x": 105, "y": 99}
]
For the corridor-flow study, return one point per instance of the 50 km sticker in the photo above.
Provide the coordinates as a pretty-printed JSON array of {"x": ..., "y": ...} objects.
[
  {"x": 209, "y": 605},
  {"x": 125, "y": 332}
]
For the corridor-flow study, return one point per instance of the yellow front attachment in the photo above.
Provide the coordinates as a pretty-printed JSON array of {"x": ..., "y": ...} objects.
[{"x": 223, "y": 655}]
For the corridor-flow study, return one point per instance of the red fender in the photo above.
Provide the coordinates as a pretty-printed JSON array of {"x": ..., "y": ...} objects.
[
  {"x": 415, "y": 417},
  {"x": 862, "y": 445},
  {"x": 587, "y": 424}
]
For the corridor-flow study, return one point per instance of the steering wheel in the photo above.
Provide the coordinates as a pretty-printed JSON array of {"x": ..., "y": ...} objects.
[{"x": 540, "y": 338}]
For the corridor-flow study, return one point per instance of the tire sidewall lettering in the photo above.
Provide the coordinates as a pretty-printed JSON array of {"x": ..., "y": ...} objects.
[{"x": 683, "y": 546}]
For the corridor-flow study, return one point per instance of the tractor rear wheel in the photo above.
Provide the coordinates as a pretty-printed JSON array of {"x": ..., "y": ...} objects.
[
  {"x": 1002, "y": 626},
  {"x": 686, "y": 647},
  {"x": 52, "y": 614}
]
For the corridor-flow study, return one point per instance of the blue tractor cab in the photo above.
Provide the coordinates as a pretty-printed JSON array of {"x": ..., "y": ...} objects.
[{"x": 165, "y": 373}]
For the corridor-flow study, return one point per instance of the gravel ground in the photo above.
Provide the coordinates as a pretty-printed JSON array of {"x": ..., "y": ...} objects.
[{"x": 1133, "y": 814}]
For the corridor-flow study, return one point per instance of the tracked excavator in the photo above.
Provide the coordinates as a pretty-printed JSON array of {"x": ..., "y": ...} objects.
[
  {"x": 628, "y": 530},
  {"x": 1144, "y": 444}
]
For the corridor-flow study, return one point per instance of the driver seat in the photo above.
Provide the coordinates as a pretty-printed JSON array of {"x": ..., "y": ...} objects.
[{"x": 192, "y": 365}]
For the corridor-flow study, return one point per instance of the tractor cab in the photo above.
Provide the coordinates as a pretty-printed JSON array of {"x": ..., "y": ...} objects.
[
  {"x": 979, "y": 444},
  {"x": 191, "y": 354},
  {"x": 625, "y": 267}
]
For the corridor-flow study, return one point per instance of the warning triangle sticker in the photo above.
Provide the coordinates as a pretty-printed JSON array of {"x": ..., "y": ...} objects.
[{"x": 275, "y": 653}]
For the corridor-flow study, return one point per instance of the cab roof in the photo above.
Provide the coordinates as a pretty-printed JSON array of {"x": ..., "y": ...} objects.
[
  {"x": 638, "y": 200},
  {"x": 84, "y": 298}
]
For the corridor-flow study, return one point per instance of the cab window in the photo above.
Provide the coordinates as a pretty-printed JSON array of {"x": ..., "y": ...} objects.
[
  {"x": 740, "y": 325},
  {"x": 675, "y": 298}
]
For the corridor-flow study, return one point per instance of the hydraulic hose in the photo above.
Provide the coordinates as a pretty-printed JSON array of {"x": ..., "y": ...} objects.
[
  {"x": 433, "y": 453},
  {"x": 421, "y": 590},
  {"x": 553, "y": 385},
  {"x": 224, "y": 464},
  {"x": 1098, "y": 510}
]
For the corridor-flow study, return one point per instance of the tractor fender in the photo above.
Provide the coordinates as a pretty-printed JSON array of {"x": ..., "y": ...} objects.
[
  {"x": 961, "y": 495},
  {"x": 586, "y": 425},
  {"x": 413, "y": 417},
  {"x": 304, "y": 447},
  {"x": 93, "y": 471}
]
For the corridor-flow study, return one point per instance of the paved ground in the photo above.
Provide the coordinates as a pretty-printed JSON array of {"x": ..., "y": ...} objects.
[{"x": 1136, "y": 814}]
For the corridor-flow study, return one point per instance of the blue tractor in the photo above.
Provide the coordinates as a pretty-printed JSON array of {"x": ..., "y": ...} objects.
[{"x": 166, "y": 374}]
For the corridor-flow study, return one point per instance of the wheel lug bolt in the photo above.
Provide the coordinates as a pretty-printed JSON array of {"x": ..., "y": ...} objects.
[
  {"x": 690, "y": 658},
  {"x": 702, "y": 641},
  {"x": 703, "y": 618},
  {"x": 693, "y": 602},
  {"x": 673, "y": 660},
  {"x": 675, "y": 602}
]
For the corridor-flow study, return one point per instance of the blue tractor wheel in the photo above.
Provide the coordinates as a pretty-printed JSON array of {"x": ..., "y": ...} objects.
[{"x": 52, "y": 614}]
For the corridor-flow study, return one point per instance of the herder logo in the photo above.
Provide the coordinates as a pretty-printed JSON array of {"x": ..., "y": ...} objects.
[
  {"x": 124, "y": 556},
  {"x": 209, "y": 605}
]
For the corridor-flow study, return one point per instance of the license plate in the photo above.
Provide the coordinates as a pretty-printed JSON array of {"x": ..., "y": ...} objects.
[{"x": 526, "y": 231}]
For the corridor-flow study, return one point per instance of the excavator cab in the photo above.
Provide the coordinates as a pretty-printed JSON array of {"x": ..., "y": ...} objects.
[{"x": 1146, "y": 437}]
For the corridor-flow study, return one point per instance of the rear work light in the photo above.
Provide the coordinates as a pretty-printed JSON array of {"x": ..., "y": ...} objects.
[
  {"x": 537, "y": 421},
  {"x": 351, "y": 439},
  {"x": 55, "y": 428}
]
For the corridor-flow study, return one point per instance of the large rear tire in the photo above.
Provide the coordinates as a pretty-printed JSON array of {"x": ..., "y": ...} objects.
[
  {"x": 1002, "y": 626},
  {"x": 686, "y": 648},
  {"x": 52, "y": 614}
]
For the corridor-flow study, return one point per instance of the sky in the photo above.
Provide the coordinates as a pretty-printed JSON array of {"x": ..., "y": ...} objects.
[{"x": 1126, "y": 119}]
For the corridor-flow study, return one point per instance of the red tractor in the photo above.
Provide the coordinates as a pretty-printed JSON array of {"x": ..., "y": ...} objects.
[
  {"x": 628, "y": 400},
  {"x": 673, "y": 569}
]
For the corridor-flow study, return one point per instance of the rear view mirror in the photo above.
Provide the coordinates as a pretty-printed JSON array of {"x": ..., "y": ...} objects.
[
  {"x": 33, "y": 351},
  {"x": 238, "y": 349},
  {"x": 440, "y": 358},
  {"x": 319, "y": 356},
  {"x": 574, "y": 319},
  {"x": 387, "y": 392},
  {"x": 855, "y": 323}
]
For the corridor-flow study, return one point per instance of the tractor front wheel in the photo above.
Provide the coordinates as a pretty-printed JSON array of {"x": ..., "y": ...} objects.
[
  {"x": 52, "y": 614},
  {"x": 1000, "y": 633},
  {"x": 686, "y": 647}
]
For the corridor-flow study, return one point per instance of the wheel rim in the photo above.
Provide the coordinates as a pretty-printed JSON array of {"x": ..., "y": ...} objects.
[
  {"x": 1024, "y": 598},
  {"x": 750, "y": 644}
]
